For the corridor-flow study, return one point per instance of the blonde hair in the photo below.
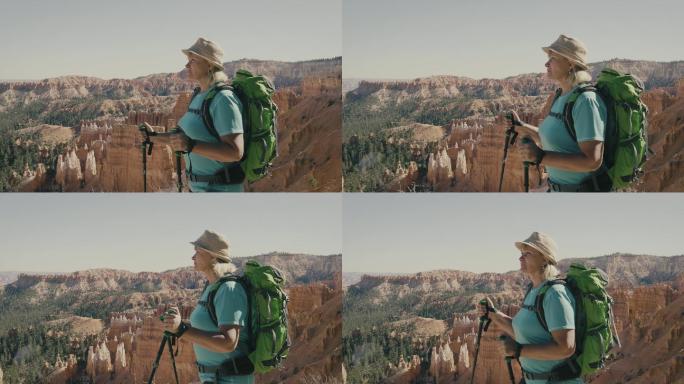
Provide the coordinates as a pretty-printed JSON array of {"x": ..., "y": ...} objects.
[
  {"x": 579, "y": 75},
  {"x": 217, "y": 75},
  {"x": 550, "y": 272},
  {"x": 223, "y": 268}
]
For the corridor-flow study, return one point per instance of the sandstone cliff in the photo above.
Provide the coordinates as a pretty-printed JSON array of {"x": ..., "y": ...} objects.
[
  {"x": 127, "y": 346},
  {"x": 471, "y": 114},
  {"x": 647, "y": 304},
  {"x": 308, "y": 96}
]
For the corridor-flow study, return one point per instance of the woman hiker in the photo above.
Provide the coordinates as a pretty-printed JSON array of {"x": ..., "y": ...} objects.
[
  {"x": 216, "y": 347},
  {"x": 212, "y": 165},
  {"x": 570, "y": 162},
  {"x": 540, "y": 351}
]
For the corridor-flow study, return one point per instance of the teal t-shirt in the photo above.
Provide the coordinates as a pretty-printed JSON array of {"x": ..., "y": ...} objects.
[
  {"x": 559, "y": 312},
  {"x": 231, "y": 309},
  {"x": 226, "y": 113},
  {"x": 589, "y": 115}
]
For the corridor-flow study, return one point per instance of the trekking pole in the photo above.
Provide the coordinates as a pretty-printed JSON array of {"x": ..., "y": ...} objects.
[
  {"x": 509, "y": 365},
  {"x": 526, "y": 166},
  {"x": 146, "y": 145},
  {"x": 509, "y": 362},
  {"x": 511, "y": 135},
  {"x": 179, "y": 173},
  {"x": 144, "y": 157},
  {"x": 167, "y": 339},
  {"x": 484, "y": 325}
]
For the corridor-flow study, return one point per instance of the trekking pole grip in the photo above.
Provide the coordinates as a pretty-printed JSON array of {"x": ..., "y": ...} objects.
[{"x": 485, "y": 318}]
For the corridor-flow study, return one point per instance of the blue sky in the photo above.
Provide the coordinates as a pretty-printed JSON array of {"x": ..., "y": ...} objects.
[
  {"x": 137, "y": 232},
  {"x": 499, "y": 38},
  {"x": 475, "y": 232},
  {"x": 127, "y": 38}
]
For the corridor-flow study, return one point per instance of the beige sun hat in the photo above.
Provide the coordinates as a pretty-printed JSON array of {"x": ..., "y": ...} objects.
[
  {"x": 542, "y": 243},
  {"x": 215, "y": 244},
  {"x": 208, "y": 50},
  {"x": 571, "y": 49}
]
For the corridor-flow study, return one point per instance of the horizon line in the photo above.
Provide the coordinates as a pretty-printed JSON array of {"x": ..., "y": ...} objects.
[
  {"x": 388, "y": 273},
  {"x": 411, "y": 78},
  {"x": 173, "y": 268},
  {"x": 164, "y": 73}
]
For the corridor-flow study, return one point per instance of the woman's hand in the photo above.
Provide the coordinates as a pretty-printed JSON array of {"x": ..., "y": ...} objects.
[
  {"x": 529, "y": 150},
  {"x": 178, "y": 141},
  {"x": 172, "y": 319},
  {"x": 482, "y": 310},
  {"x": 509, "y": 346},
  {"x": 524, "y": 129},
  {"x": 515, "y": 119}
]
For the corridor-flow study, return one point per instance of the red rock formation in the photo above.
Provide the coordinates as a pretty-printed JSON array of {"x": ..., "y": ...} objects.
[
  {"x": 652, "y": 337},
  {"x": 316, "y": 336},
  {"x": 60, "y": 372},
  {"x": 309, "y": 140},
  {"x": 121, "y": 168},
  {"x": 32, "y": 180},
  {"x": 529, "y": 96},
  {"x": 439, "y": 173},
  {"x": 664, "y": 170},
  {"x": 310, "y": 144},
  {"x": 442, "y": 366},
  {"x": 405, "y": 372}
]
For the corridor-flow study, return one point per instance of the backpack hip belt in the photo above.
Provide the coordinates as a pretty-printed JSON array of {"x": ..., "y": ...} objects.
[
  {"x": 584, "y": 187},
  {"x": 566, "y": 371},
  {"x": 229, "y": 175},
  {"x": 593, "y": 184},
  {"x": 239, "y": 366}
]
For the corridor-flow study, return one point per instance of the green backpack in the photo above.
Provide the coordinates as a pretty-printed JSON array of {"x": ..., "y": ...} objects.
[
  {"x": 626, "y": 141},
  {"x": 595, "y": 333},
  {"x": 258, "y": 119},
  {"x": 269, "y": 342}
]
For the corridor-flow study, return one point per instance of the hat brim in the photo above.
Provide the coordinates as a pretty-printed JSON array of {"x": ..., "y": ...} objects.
[
  {"x": 216, "y": 64},
  {"x": 519, "y": 244},
  {"x": 220, "y": 256},
  {"x": 580, "y": 64}
]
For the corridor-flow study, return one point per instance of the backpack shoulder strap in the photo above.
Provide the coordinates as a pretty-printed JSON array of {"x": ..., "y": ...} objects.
[
  {"x": 206, "y": 115},
  {"x": 213, "y": 289},
  {"x": 539, "y": 301},
  {"x": 195, "y": 92},
  {"x": 570, "y": 104}
]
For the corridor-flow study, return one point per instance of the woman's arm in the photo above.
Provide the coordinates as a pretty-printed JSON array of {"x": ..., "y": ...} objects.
[
  {"x": 230, "y": 149},
  {"x": 589, "y": 160},
  {"x": 504, "y": 322},
  {"x": 226, "y": 340},
  {"x": 562, "y": 347}
]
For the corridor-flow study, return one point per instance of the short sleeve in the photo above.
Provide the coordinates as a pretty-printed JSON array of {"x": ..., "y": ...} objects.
[
  {"x": 559, "y": 310},
  {"x": 226, "y": 113},
  {"x": 231, "y": 304},
  {"x": 586, "y": 115}
]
